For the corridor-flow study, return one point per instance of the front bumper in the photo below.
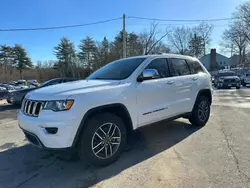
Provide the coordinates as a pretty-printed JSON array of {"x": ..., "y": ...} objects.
[
  {"x": 247, "y": 81},
  {"x": 35, "y": 129},
  {"x": 227, "y": 85},
  {"x": 13, "y": 100}
]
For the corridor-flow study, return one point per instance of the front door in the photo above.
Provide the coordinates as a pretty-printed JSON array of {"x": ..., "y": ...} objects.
[{"x": 152, "y": 95}]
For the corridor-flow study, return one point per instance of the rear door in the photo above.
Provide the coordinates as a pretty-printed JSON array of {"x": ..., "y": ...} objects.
[
  {"x": 182, "y": 85},
  {"x": 197, "y": 77}
]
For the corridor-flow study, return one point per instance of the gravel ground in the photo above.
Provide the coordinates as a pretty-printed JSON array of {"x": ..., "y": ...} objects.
[{"x": 173, "y": 154}]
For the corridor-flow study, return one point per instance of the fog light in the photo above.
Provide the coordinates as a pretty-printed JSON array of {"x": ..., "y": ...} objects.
[{"x": 51, "y": 130}]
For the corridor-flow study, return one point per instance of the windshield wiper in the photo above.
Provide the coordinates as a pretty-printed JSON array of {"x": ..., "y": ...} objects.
[{"x": 98, "y": 78}]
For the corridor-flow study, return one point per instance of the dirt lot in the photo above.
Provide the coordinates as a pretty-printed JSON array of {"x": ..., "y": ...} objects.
[{"x": 174, "y": 154}]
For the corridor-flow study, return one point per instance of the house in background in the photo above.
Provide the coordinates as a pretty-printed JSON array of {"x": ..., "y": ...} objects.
[{"x": 215, "y": 61}]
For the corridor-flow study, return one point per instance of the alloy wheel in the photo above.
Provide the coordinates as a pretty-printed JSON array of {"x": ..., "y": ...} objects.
[
  {"x": 106, "y": 140},
  {"x": 203, "y": 110}
]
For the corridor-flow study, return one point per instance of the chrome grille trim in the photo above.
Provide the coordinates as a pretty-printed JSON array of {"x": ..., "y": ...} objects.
[
  {"x": 34, "y": 107},
  {"x": 31, "y": 107}
]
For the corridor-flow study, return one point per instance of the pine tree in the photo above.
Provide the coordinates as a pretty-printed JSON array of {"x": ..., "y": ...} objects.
[
  {"x": 65, "y": 53},
  {"x": 21, "y": 59},
  {"x": 87, "y": 53}
]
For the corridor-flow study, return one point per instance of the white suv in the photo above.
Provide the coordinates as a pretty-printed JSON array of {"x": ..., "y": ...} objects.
[{"x": 96, "y": 115}]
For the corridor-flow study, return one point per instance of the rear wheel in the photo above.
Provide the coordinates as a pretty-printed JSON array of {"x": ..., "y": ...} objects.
[
  {"x": 244, "y": 84},
  {"x": 201, "y": 112},
  {"x": 238, "y": 87},
  {"x": 103, "y": 139}
]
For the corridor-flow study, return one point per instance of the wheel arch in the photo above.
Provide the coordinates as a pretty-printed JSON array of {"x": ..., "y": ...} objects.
[
  {"x": 206, "y": 93},
  {"x": 118, "y": 109}
]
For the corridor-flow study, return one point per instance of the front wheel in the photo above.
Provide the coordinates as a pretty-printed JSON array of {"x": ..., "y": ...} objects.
[
  {"x": 103, "y": 139},
  {"x": 201, "y": 112},
  {"x": 238, "y": 87}
]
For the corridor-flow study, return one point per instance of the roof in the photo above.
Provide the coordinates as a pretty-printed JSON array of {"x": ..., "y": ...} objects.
[
  {"x": 216, "y": 54},
  {"x": 164, "y": 55}
]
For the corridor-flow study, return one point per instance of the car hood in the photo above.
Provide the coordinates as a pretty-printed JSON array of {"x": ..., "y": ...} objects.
[{"x": 63, "y": 91}]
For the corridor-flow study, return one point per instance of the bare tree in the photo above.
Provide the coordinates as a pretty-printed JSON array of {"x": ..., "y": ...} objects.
[
  {"x": 149, "y": 39},
  {"x": 196, "y": 46},
  {"x": 235, "y": 40},
  {"x": 204, "y": 31},
  {"x": 179, "y": 39},
  {"x": 243, "y": 15}
]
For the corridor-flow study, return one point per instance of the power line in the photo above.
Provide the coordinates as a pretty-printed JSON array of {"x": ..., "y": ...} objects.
[
  {"x": 59, "y": 27},
  {"x": 166, "y": 20},
  {"x": 110, "y": 20},
  {"x": 177, "y": 24}
]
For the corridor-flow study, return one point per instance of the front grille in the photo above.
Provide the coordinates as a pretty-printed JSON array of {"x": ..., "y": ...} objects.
[
  {"x": 229, "y": 80},
  {"x": 32, "y": 108}
]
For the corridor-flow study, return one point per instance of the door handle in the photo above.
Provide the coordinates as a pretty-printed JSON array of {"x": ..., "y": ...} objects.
[
  {"x": 170, "y": 82},
  {"x": 195, "y": 78}
]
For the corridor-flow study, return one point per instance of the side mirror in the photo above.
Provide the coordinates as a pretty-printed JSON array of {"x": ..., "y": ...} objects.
[{"x": 148, "y": 74}]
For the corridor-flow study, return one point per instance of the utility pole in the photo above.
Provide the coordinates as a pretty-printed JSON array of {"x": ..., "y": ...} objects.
[
  {"x": 232, "y": 49},
  {"x": 124, "y": 36}
]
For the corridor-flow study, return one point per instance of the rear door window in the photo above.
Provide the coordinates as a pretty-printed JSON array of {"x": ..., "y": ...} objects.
[{"x": 178, "y": 67}]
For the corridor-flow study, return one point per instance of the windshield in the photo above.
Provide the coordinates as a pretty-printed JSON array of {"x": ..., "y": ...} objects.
[
  {"x": 222, "y": 74},
  {"x": 44, "y": 83},
  {"x": 117, "y": 70}
]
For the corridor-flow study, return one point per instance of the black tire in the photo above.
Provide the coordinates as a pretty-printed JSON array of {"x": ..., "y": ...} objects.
[
  {"x": 238, "y": 87},
  {"x": 8, "y": 101},
  {"x": 195, "y": 118},
  {"x": 92, "y": 125},
  {"x": 244, "y": 84}
]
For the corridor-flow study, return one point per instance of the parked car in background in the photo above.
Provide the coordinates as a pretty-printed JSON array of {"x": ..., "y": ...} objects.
[
  {"x": 245, "y": 79},
  {"x": 8, "y": 87},
  {"x": 34, "y": 82},
  {"x": 18, "y": 85},
  {"x": 4, "y": 90},
  {"x": 227, "y": 79},
  {"x": 3, "y": 93},
  {"x": 16, "y": 97}
]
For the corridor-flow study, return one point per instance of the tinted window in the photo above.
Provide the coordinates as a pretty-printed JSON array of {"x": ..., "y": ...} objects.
[
  {"x": 194, "y": 67},
  {"x": 117, "y": 70},
  {"x": 178, "y": 67},
  {"x": 49, "y": 83},
  {"x": 161, "y": 66},
  {"x": 229, "y": 73}
]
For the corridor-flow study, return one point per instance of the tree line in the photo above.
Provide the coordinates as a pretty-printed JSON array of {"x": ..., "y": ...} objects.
[{"x": 89, "y": 55}]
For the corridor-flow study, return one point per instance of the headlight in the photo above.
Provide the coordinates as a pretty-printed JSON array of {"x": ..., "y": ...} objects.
[{"x": 58, "y": 105}]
